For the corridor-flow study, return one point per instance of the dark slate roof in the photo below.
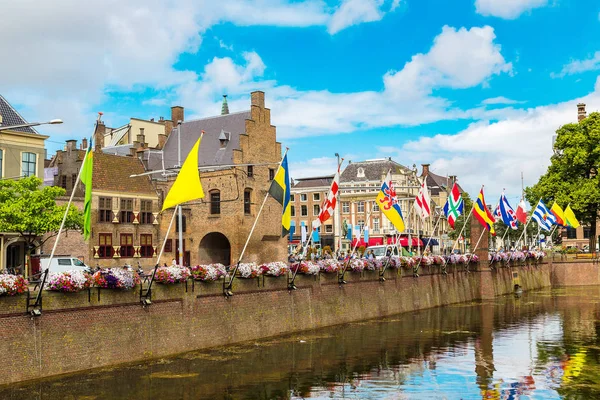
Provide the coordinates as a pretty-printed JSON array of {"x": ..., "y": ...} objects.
[
  {"x": 373, "y": 170},
  {"x": 10, "y": 116},
  {"x": 210, "y": 152},
  {"x": 437, "y": 183},
  {"x": 320, "y": 181},
  {"x": 111, "y": 173}
]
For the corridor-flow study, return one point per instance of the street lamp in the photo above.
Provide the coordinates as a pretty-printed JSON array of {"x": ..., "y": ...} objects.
[{"x": 51, "y": 122}]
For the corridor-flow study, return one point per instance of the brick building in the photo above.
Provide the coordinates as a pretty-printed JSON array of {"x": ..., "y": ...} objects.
[
  {"x": 124, "y": 210},
  {"x": 238, "y": 157}
]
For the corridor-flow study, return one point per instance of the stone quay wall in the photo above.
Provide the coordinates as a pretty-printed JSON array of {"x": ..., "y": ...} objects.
[{"x": 86, "y": 330}]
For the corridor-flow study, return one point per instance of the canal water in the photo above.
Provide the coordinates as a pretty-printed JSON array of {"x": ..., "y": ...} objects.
[{"x": 543, "y": 345}]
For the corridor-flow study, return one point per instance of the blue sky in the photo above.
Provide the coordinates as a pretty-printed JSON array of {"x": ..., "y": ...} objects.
[{"x": 474, "y": 87}]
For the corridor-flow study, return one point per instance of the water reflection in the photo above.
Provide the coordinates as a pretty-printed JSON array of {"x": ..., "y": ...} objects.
[{"x": 544, "y": 345}]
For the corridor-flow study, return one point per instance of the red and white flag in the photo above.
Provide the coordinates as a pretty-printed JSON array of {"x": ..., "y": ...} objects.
[
  {"x": 422, "y": 201},
  {"x": 521, "y": 212},
  {"x": 330, "y": 202}
]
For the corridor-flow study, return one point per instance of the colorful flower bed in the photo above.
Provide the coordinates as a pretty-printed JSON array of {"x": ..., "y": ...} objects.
[
  {"x": 371, "y": 265},
  {"x": 473, "y": 258},
  {"x": 329, "y": 266},
  {"x": 306, "y": 268},
  {"x": 248, "y": 270},
  {"x": 438, "y": 260},
  {"x": 356, "y": 265},
  {"x": 11, "y": 285},
  {"x": 276, "y": 268},
  {"x": 456, "y": 259},
  {"x": 536, "y": 255},
  {"x": 407, "y": 262},
  {"x": 172, "y": 274},
  {"x": 68, "y": 281},
  {"x": 116, "y": 278},
  {"x": 210, "y": 272},
  {"x": 495, "y": 257}
]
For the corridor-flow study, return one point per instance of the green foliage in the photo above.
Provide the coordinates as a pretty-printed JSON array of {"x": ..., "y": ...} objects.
[
  {"x": 572, "y": 177},
  {"x": 326, "y": 249},
  {"x": 361, "y": 250},
  {"x": 461, "y": 220},
  {"x": 31, "y": 210}
]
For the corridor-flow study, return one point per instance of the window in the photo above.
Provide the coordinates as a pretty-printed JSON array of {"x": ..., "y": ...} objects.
[
  {"x": 126, "y": 245},
  {"x": 146, "y": 216},
  {"x": 328, "y": 228},
  {"x": 1, "y": 158},
  {"x": 250, "y": 171},
  {"x": 292, "y": 197},
  {"x": 586, "y": 232},
  {"x": 64, "y": 261},
  {"x": 375, "y": 207},
  {"x": 63, "y": 182},
  {"x": 293, "y": 211},
  {"x": 215, "y": 202},
  {"x": 316, "y": 196},
  {"x": 183, "y": 223},
  {"x": 248, "y": 202},
  {"x": 346, "y": 207},
  {"x": 28, "y": 164},
  {"x": 360, "y": 172},
  {"x": 105, "y": 209},
  {"x": 316, "y": 210},
  {"x": 571, "y": 233},
  {"x": 304, "y": 211},
  {"x": 105, "y": 249},
  {"x": 375, "y": 224},
  {"x": 360, "y": 207},
  {"x": 146, "y": 249},
  {"x": 168, "y": 245},
  {"x": 361, "y": 224},
  {"x": 271, "y": 174},
  {"x": 303, "y": 197},
  {"x": 126, "y": 211},
  {"x": 73, "y": 181}
]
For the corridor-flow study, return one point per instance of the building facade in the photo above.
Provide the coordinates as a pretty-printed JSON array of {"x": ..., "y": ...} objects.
[{"x": 22, "y": 154}]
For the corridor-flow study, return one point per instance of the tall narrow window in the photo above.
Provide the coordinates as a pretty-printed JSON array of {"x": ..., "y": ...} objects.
[
  {"x": 146, "y": 249},
  {"x": 293, "y": 211},
  {"x": 146, "y": 216},
  {"x": 346, "y": 207},
  {"x": 126, "y": 245},
  {"x": 304, "y": 211},
  {"x": 63, "y": 182},
  {"x": 271, "y": 174},
  {"x": 375, "y": 225},
  {"x": 105, "y": 249},
  {"x": 247, "y": 201},
  {"x": 250, "y": 171},
  {"x": 316, "y": 210},
  {"x": 215, "y": 202},
  {"x": 28, "y": 164},
  {"x": 360, "y": 207},
  {"x": 126, "y": 211},
  {"x": 105, "y": 209},
  {"x": 73, "y": 180}
]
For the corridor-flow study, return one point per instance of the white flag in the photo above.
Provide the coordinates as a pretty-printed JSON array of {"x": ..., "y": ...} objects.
[{"x": 422, "y": 201}]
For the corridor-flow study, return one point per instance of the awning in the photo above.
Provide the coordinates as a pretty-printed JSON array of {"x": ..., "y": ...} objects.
[
  {"x": 432, "y": 241},
  {"x": 404, "y": 241}
]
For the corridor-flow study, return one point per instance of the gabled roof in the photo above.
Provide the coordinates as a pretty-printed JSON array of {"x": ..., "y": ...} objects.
[
  {"x": 10, "y": 117},
  {"x": 111, "y": 173},
  {"x": 371, "y": 170},
  {"x": 437, "y": 183},
  {"x": 117, "y": 134},
  {"x": 320, "y": 181},
  {"x": 211, "y": 151}
]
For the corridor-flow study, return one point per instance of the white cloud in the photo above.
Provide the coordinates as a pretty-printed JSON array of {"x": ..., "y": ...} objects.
[
  {"x": 501, "y": 100},
  {"x": 579, "y": 66},
  {"x": 507, "y": 9},
  {"x": 351, "y": 12}
]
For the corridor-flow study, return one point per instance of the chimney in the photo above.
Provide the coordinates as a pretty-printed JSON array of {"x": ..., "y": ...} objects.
[
  {"x": 71, "y": 144},
  {"x": 162, "y": 139},
  {"x": 141, "y": 137},
  {"x": 425, "y": 169},
  {"x": 452, "y": 180},
  {"x": 99, "y": 133},
  {"x": 581, "y": 112},
  {"x": 132, "y": 151},
  {"x": 84, "y": 144},
  {"x": 225, "y": 106},
  {"x": 176, "y": 114},
  {"x": 258, "y": 99}
]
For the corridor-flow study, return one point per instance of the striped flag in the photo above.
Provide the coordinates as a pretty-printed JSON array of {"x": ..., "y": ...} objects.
[
  {"x": 454, "y": 206},
  {"x": 330, "y": 202},
  {"x": 543, "y": 216},
  {"x": 483, "y": 214},
  {"x": 422, "y": 201},
  {"x": 507, "y": 214},
  {"x": 280, "y": 191}
]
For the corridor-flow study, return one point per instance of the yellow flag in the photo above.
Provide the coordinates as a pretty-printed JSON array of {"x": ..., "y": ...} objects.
[
  {"x": 187, "y": 186},
  {"x": 570, "y": 218}
]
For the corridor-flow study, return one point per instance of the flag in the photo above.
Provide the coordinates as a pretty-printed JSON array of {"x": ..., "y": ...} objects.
[
  {"x": 543, "y": 216},
  {"x": 292, "y": 230},
  {"x": 366, "y": 234},
  {"x": 315, "y": 235},
  {"x": 558, "y": 213},
  {"x": 349, "y": 233},
  {"x": 87, "y": 170},
  {"x": 454, "y": 206},
  {"x": 497, "y": 214},
  {"x": 330, "y": 202},
  {"x": 280, "y": 190},
  {"x": 507, "y": 214},
  {"x": 187, "y": 186},
  {"x": 388, "y": 203},
  {"x": 357, "y": 231},
  {"x": 570, "y": 219},
  {"x": 521, "y": 212},
  {"x": 422, "y": 201},
  {"x": 302, "y": 232},
  {"x": 483, "y": 214}
]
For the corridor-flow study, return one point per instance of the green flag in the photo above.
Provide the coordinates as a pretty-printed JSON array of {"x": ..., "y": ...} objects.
[{"x": 86, "y": 179}]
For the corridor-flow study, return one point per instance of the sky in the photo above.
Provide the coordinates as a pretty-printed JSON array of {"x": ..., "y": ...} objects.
[{"x": 476, "y": 88}]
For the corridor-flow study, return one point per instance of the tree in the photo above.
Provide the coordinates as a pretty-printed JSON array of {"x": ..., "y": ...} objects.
[
  {"x": 31, "y": 211},
  {"x": 572, "y": 177},
  {"x": 513, "y": 235}
]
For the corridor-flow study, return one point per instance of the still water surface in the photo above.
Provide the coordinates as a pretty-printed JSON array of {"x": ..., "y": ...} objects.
[{"x": 544, "y": 345}]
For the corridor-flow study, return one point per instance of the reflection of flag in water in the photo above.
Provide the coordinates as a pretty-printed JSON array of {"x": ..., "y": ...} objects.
[{"x": 573, "y": 365}]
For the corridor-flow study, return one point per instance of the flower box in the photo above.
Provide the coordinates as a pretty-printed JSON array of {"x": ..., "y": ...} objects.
[
  {"x": 248, "y": 270},
  {"x": 172, "y": 274},
  {"x": 11, "y": 285},
  {"x": 208, "y": 273},
  {"x": 356, "y": 265},
  {"x": 277, "y": 268},
  {"x": 116, "y": 278},
  {"x": 330, "y": 266},
  {"x": 68, "y": 281},
  {"x": 306, "y": 268}
]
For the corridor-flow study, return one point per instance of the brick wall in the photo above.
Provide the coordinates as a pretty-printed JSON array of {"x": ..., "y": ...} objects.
[{"x": 77, "y": 332}]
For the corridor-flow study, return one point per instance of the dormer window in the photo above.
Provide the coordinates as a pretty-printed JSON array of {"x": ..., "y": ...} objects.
[
  {"x": 224, "y": 138},
  {"x": 360, "y": 173}
]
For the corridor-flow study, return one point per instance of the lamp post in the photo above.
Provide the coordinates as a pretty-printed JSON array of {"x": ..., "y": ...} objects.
[{"x": 51, "y": 122}]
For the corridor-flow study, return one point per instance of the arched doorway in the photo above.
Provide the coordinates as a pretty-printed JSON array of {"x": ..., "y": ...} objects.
[{"x": 215, "y": 248}]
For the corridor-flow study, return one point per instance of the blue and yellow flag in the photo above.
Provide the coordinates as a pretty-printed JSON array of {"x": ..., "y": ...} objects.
[
  {"x": 187, "y": 186},
  {"x": 483, "y": 214},
  {"x": 87, "y": 171},
  {"x": 388, "y": 203},
  {"x": 280, "y": 190}
]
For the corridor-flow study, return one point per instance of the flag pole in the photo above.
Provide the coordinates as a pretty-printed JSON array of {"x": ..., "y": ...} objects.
[
  {"x": 416, "y": 269},
  {"x": 227, "y": 287},
  {"x": 457, "y": 238},
  {"x": 524, "y": 230},
  {"x": 341, "y": 276},
  {"x": 475, "y": 248},
  {"x": 37, "y": 304},
  {"x": 392, "y": 245}
]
